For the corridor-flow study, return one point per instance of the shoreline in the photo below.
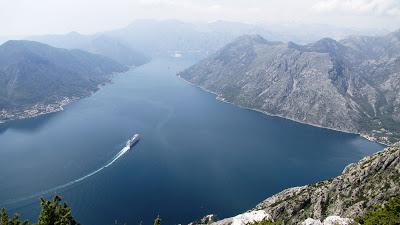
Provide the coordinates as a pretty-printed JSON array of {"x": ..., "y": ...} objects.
[
  {"x": 221, "y": 99},
  {"x": 41, "y": 109}
]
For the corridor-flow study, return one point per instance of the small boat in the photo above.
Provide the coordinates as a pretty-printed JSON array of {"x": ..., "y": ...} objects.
[{"x": 133, "y": 140}]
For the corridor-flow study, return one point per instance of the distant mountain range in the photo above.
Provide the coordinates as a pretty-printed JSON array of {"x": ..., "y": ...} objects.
[
  {"x": 98, "y": 44},
  {"x": 165, "y": 38},
  {"x": 155, "y": 38},
  {"x": 36, "y": 78},
  {"x": 168, "y": 36},
  {"x": 350, "y": 85}
]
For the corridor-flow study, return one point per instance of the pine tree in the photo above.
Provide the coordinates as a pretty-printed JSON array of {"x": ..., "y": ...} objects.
[
  {"x": 3, "y": 217},
  {"x": 53, "y": 212},
  {"x": 5, "y": 220},
  {"x": 157, "y": 221}
]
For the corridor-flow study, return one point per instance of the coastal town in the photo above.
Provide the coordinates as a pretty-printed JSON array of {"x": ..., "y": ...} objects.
[{"x": 35, "y": 110}]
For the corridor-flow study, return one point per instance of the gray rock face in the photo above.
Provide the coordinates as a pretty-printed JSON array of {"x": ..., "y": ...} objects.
[
  {"x": 331, "y": 220},
  {"x": 244, "y": 218},
  {"x": 371, "y": 181},
  {"x": 205, "y": 220},
  {"x": 362, "y": 185},
  {"x": 346, "y": 85}
]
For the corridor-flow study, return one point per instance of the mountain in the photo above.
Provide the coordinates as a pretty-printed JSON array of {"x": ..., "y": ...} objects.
[
  {"x": 36, "y": 78},
  {"x": 351, "y": 85},
  {"x": 376, "y": 47},
  {"x": 98, "y": 44},
  {"x": 370, "y": 182},
  {"x": 173, "y": 37},
  {"x": 308, "y": 33},
  {"x": 118, "y": 51},
  {"x": 166, "y": 37},
  {"x": 71, "y": 40},
  {"x": 154, "y": 38}
]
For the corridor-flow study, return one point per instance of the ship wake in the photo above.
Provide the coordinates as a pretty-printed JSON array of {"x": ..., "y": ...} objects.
[{"x": 69, "y": 184}]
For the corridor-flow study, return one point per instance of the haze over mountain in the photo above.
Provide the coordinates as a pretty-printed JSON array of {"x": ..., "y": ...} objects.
[
  {"x": 93, "y": 16},
  {"x": 130, "y": 44},
  {"x": 34, "y": 75},
  {"x": 168, "y": 36},
  {"x": 98, "y": 44},
  {"x": 308, "y": 33},
  {"x": 352, "y": 85}
]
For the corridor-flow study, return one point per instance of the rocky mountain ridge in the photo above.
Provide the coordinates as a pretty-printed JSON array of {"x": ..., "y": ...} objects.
[
  {"x": 101, "y": 44},
  {"x": 351, "y": 85},
  {"x": 362, "y": 185}
]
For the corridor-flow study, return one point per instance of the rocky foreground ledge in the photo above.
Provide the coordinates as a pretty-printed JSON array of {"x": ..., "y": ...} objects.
[{"x": 362, "y": 185}]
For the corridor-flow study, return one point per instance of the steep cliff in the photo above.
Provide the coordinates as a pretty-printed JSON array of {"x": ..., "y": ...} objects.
[
  {"x": 347, "y": 85},
  {"x": 362, "y": 185}
]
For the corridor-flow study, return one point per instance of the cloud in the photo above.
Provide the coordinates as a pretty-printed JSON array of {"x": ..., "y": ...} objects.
[
  {"x": 363, "y": 7},
  {"x": 28, "y": 17}
]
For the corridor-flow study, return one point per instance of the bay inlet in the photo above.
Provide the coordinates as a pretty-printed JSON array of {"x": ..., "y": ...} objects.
[{"x": 196, "y": 155}]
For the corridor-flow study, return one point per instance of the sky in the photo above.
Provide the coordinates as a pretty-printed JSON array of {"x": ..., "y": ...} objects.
[{"x": 32, "y": 17}]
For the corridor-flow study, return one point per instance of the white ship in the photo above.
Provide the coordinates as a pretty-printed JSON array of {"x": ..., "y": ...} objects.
[{"x": 133, "y": 140}]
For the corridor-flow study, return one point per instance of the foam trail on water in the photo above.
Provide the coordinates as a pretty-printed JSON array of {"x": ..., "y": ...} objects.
[
  {"x": 60, "y": 187},
  {"x": 117, "y": 156}
]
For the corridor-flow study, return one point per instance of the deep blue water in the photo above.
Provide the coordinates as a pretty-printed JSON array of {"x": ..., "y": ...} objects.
[{"x": 196, "y": 156}]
